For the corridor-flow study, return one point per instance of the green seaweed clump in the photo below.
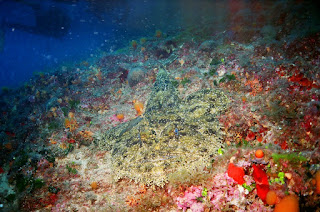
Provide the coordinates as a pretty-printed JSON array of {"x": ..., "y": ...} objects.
[
  {"x": 227, "y": 78},
  {"x": 65, "y": 111},
  {"x": 74, "y": 103},
  {"x": 291, "y": 157},
  {"x": 215, "y": 61},
  {"x": 24, "y": 183},
  {"x": 71, "y": 170},
  {"x": 38, "y": 183},
  {"x": 53, "y": 125},
  {"x": 175, "y": 83},
  {"x": 212, "y": 72},
  {"x": 185, "y": 81},
  {"x": 279, "y": 179}
]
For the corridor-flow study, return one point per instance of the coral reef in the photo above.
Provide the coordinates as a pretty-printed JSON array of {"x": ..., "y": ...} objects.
[
  {"x": 174, "y": 133},
  {"x": 92, "y": 137}
]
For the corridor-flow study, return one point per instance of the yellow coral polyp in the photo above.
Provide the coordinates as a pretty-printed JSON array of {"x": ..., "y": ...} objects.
[
  {"x": 70, "y": 124},
  {"x": 138, "y": 106},
  {"x": 86, "y": 134}
]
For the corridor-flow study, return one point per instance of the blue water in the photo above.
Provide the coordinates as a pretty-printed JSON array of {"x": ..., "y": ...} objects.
[{"x": 40, "y": 36}]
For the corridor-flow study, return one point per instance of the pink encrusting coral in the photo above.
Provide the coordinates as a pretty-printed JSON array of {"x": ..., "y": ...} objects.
[
  {"x": 190, "y": 199},
  {"x": 224, "y": 191}
]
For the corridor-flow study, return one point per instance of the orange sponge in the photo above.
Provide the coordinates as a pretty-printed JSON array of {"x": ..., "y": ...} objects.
[
  {"x": 138, "y": 106},
  {"x": 120, "y": 116},
  {"x": 288, "y": 203},
  {"x": 259, "y": 153},
  {"x": 94, "y": 185},
  {"x": 318, "y": 182},
  {"x": 271, "y": 198}
]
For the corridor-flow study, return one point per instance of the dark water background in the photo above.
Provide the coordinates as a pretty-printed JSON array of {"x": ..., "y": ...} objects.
[{"x": 42, "y": 35}]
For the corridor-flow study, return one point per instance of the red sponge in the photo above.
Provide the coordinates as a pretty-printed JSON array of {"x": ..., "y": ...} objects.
[
  {"x": 236, "y": 173},
  {"x": 262, "y": 183}
]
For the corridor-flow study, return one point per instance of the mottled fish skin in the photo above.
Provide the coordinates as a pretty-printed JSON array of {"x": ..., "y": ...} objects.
[{"x": 172, "y": 134}]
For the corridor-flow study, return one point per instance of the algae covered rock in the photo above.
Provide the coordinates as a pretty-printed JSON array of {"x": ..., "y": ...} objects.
[
  {"x": 174, "y": 134},
  {"x": 135, "y": 76}
]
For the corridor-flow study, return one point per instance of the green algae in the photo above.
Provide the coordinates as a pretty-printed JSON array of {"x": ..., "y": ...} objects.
[
  {"x": 227, "y": 78},
  {"x": 54, "y": 125},
  {"x": 74, "y": 103},
  {"x": 71, "y": 170},
  {"x": 185, "y": 81},
  {"x": 291, "y": 157}
]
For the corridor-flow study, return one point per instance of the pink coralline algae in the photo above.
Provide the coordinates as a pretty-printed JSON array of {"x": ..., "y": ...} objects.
[
  {"x": 190, "y": 199},
  {"x": 224, "y": 191}
]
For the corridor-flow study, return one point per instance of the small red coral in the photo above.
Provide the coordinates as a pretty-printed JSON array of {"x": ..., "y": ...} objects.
[
  {"x": 250, "y": 136},
  {"x": 71, "y": 141},
  {"x": 284, "y": 145},
  {"x": 236, "y": 173}
]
